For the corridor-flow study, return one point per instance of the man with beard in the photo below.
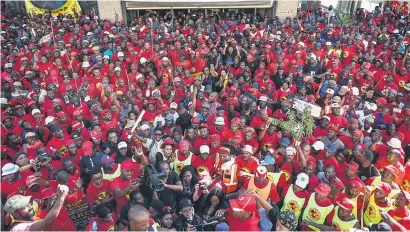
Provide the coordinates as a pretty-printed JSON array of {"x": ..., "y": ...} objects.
[
  {"x": 72, "y": 151},
  {"x": 57, "y": 143},
  {"x": 72, "y": 169},
  {"x": 22, "y": 211},
  {"x": 124, "y": 184},
  {"x": 8, "y": 127},
  {"x": 99, "y": 191},
  {"x": 332, "y": 138},
  {"x": 378, "y": 201},
  {"x": 13, "y": 143}
]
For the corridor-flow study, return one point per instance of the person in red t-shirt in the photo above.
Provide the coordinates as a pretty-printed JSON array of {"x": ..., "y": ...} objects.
[
  {"x": 99, "y": 190},
  {"x": 123, "y": 185},
  {"x": 247, "y": 163},
  {"x": 12, "y": 181},
  {"x": 203, "y": 162},
  {"x": 104, "y": 221}
]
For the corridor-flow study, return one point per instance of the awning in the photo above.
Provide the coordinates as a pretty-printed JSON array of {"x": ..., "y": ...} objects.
[{"x": 199, "y": 4}]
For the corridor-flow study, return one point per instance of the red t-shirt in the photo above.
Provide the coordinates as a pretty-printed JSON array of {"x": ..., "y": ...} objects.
[
  {"x": 203, "y": 165},
  {"x": 98, "y": 193},
  {"x": 251, "y": 224},
  {"x": 102, "y": 225},
  {"x": 120, "y": 183}
]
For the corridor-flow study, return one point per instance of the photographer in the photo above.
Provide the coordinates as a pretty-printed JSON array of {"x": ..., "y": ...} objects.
[
  {"x": 187, "y": 220},
  {"x": 172, "y": 185}
]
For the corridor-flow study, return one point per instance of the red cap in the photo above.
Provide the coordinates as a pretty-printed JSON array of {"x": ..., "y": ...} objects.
[
  {"x": 36, "y": 144},
  {"x": 165, "y": 81},
  {"x": 323, "y": 189},
  {"x": 127, "y": 165},
  {"x": 215, "y": 138},
  {"x": 167, "y": 142},
  {"x": 184, "y": 145},
  {"x": 393, "y": 170},
  {"x": 334, "y": 128},
  {"x": 88, "y": 148},
  {"x": 384, "y": 187},
  {"x": 76, "y": 125},
  {"x": 61, "y": 114},
  {"x": 236, "y": 121},
  {"x": 261, "y": 172},
  {"x": 406, "y": 196},
  {"x": 165, "y": 107},
  {"x": 224, "y": 150},
  {"x": 337, "y": 183},
  {"x": 95, "y": 134},
  {"x": 196, "y": 119},
  {"x": 203, "y": 125},
  {"x": 382, "y": 101},
  {"x": 358, "y": 133},
  {"x": 353, "y": 165},
  {"x": 244, "y": 202},
  {"x": 346, "y": 203},
  {"x": 357, "y": 185},
  {"x": 30, "y": 180},
  {"x": 77, "y": 112}
]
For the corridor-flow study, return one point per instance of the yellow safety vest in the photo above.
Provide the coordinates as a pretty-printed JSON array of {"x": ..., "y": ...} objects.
[
  {"x": 372, "y": 213},
  {"x": 316, "y": 213},
  {"x": 338, "y": 224},
  {"x": 356, "y": 206},
  {"x": 112, "y": 176},
  {"x": 293, "y": 202},
  {"x": 377, "y": 181},
  {"x": 274, "y": 177},
  {"x": 178, "y": 165},
  {"x": 263, "y": 193}
]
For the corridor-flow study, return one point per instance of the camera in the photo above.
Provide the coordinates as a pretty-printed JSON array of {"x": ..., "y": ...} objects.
[
  {"x": 153, "y": 178},
  {"x": 202, "y": 186}
]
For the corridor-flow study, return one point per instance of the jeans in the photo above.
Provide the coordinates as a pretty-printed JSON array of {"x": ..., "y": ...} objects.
[{"x": 264, "y": 224}]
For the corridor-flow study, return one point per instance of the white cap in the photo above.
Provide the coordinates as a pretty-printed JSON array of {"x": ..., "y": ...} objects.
[
  {"x": 301, "y": 44},
  {"x": 318, "y": 145},
  {"x": 86, "y": 64},
  {"x": 370, "y": 105},
  {"x": 328, "y": 43},
  {"x": 89, "y": 33},
  {"x": 330, "y": 91},
  {"x": 290, "y": 150},
  {"x": 204, "y": 149},
  {"x": 394, "y": 143},
  {"x": 355, "y": 91},
  {"x": 3, "y": 101},
  {"x": 122, "y": 144},
  {"x": 219, "y": 121},
  {"x": 17, "y": 83},
  {"x": 313, "y": 56},
  {"x": 173, "y": 105},
  {"x": 106, "y": 57},
  {"x": 87, "y": 98},
  {"x": 35, "y": 111},
  {"x": 49, "y": 119},
  {"x": 263, "y": 98},
  {"x": 9, "y": 168},
  {"x": 143, "y": 60},
  {"x": 248, "y": 148},
  {"x": 165, "y": 59},
  {"x": 327, "y": 117},
  {"x": 120, "y": 54},
  {"x": 8, "y": 65},
  {"x": 144, "y": 127},
  {"x": 335, "y": 105},
  {"x": 302, "y": 180},
  {"x": 117, "y": 69}
]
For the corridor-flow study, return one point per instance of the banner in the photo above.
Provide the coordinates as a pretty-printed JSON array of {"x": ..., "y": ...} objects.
[
  {"x": 80, "y": 214},
  {"x": 301, "y": 105},
  {"x": 69, "y": 8}
]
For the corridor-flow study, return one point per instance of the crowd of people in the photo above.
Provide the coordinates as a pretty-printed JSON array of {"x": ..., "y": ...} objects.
[{"x": 185, "y": 121}]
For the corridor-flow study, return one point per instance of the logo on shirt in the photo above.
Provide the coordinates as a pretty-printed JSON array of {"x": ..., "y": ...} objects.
[
  {"x": 335, "y": 225},
  {"x": 314, "y": 214},
  {"x": 245, "y": 170},
  {"x": 371, "y": 212},
  {"x": 293, "y": 205},
  {"x": 202, "y": 169},
  {"x": 111, "y": 228},
  {"x": 266, "y": 146},
  {"x": 179, "y": 167},
  {"x": 102, "y": 195},
  {"x": 127, "y": 196},
  {"x": 287, "y": 175}
]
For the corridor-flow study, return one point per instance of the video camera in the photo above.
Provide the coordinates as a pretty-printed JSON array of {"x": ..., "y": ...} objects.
[{"x": 152, "y": 178}]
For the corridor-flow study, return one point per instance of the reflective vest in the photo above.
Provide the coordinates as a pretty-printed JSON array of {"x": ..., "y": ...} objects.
[
  {"x": 262, "y": 192},
  {"x": 178, "y": 165},
  {"x": 339, "y": 224},
  {"x": 230, "y": 179},
  {"x": 293, "y": 202},
  {"x": 356, "y": 206},
  {"x": 377, "y": 181},
  {"x": 112, "y": 176},
  {"x": 316, "y": 213},
  {"x": 372, "y": 213},
  {"x": 274, "y": 177}
]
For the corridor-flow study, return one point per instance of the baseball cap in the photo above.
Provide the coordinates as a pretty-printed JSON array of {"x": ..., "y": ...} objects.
[
  {"x": 106, "y": 159},
  {"x": 302, "y": 180},
  {"x": 144, "y": 127},
  {"x": 88, "y": 148},
  {"x": 248, "y": 148},
  {"x": 9, "y": 169},
  {"x": 268, "y": 160},
  {"x": 35, "y": 111},
  {"x": 95, "y": 134},
  {"x": 284, "y": 142},
  {"x": 346, "y": 203},
  {"x": 384, "y": 187},
  {"x": 184, "y": 145},
  {"x": 204, "y": 149},
  {"x": 31, "y": 180},
  {"x": 16, "y": 202},
  {"x": 206, "y": 105},
  {"x": 185, "y": 203},
  {"x": 290, "y": 150},
  {"x": 219, "y": 121},
  {"x": 337, "y": 183},
  {"x": 127, "y": 165},
  {"x": 322, "y": 189},
  {"x": 122, "y": 144},
  {"x": 318, "y": 146},
  {"x": 261, "y": 172},
  {"x": 244, "y": 202},
  {"x": 353, "y": 165}
]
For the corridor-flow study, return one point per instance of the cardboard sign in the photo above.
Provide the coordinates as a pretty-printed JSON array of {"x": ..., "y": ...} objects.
[
  {"x": 80, "y": 214},
  {"x": 301, "y": 105}
]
